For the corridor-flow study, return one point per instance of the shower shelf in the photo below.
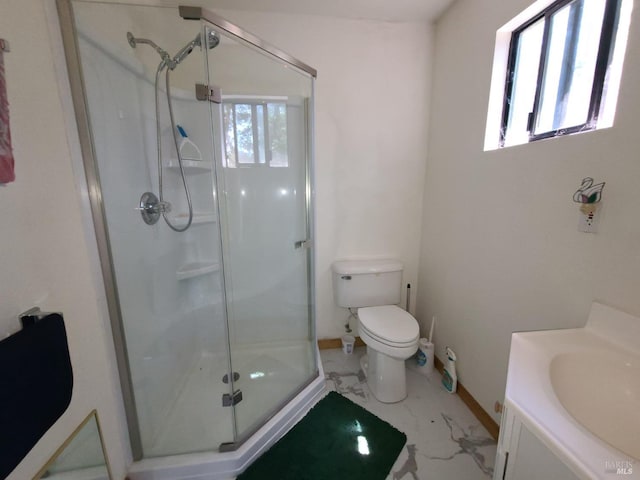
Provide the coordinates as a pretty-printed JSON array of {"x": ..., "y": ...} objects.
[
  {"x": 198, "y": 218},
  {"x": 190, "y": 166},
  {"x": 196, "y": 269}
]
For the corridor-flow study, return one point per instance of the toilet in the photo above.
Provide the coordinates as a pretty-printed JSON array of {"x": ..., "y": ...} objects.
[{"x": 391, "y": 334}]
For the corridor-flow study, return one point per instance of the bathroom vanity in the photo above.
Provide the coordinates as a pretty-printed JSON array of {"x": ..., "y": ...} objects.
[
  {"x": 572, "y": 401},
  {"x": 522, "y": 455}
]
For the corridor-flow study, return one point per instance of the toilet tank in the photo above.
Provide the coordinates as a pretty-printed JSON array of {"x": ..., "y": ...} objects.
[{"x": 367, "y": 283}]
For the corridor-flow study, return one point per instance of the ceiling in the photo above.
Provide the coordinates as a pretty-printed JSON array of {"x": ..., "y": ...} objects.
[{"x": 383, "y": 10}]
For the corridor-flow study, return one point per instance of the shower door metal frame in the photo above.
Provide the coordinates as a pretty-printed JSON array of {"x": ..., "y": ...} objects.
[
  {"x": 211, "y": 19},
  {"x": 80, "y": 104},
  {"x": 200, "y": 13},
  {"x": 85, "y": 137}
]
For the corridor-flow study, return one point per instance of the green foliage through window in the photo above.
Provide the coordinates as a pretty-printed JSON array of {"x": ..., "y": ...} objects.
[{"x": 255, "y": 133}]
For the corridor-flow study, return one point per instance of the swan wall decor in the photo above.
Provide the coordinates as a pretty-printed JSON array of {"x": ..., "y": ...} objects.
[{"x": 588, "y": 192}]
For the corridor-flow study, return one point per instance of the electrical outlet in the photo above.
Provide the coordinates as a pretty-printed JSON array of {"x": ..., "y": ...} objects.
[{"x": 588, "y": 219}]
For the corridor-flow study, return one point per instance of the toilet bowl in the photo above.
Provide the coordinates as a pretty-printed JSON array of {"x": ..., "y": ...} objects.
[
  {"x": 391, "y": 336},
  {"x": 390, "y": 333}
]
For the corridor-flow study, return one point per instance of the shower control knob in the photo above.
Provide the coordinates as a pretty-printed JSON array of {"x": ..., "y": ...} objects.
[
  {"x": 151, "y": 208},
  {"x": 161, "y": 207}
]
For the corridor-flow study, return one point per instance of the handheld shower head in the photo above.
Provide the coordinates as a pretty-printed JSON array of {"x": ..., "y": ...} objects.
[
  {"x": 186, "y": 50},
  {"x": 212, "y": 42}
]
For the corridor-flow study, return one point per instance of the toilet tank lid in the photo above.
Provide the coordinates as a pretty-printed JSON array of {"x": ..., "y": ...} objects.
[{"x": 358, "y": 267}]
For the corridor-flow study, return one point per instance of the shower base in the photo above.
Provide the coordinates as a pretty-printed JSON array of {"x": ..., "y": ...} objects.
[{"x": 202, "y": 392}]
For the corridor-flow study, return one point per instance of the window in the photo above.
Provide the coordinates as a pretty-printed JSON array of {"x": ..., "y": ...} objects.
[
  {"x": 559, "y": 70},
  {"x": 255, "y": 133}
]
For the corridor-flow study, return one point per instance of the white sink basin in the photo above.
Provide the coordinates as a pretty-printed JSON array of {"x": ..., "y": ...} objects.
[
  {"x": 578, "y": 391},
  {"x": 601, "y": 390}
]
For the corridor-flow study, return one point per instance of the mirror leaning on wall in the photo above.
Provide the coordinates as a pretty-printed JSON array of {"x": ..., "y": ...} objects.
[{"x": 81, "y": 457}]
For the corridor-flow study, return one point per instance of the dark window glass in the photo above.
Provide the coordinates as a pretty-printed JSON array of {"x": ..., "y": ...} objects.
[{"x": 557, "y": 70}]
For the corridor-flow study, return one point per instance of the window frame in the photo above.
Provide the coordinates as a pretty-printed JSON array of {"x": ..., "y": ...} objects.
[
  {"x": 253, "y": 102},
  {"x": 605, "y": 48}
]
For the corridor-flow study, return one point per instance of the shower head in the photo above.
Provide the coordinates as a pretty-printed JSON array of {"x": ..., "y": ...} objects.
[
  {"x": 212, "y": 42},
  {"x": 212, "y": 39}
]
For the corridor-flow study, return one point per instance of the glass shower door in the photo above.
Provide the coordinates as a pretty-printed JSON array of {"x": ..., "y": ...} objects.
[
  {"x": 214, "y": 322},
  {"x": 262, "y": 174},
  {"x": 169, "y": 284}
]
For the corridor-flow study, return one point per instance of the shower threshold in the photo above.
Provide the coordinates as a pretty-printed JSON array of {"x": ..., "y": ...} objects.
[{"x": 227, "y": 465}]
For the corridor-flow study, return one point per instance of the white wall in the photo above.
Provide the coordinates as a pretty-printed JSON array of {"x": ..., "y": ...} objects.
[
  {"x": 501, "y": 251},
  {"x": 46, "y": 257},
  {"x": 371, "y": 119},
  {"x": 372, "y": 95}
]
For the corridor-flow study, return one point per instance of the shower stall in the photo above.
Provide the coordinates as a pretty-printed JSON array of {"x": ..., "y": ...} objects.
[{"x": 197, "y": 145}]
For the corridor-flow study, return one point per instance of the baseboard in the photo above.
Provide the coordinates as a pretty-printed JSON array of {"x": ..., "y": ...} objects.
[
  {"x": 326, "y": 343},
  {"x": 480, "y": 413}
]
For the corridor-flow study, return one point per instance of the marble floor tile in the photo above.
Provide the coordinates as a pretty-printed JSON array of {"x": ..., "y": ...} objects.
[{"x": 444, "y": 439}]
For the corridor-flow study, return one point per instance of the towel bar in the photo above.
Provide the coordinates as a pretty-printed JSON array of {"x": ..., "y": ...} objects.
[{"x": 32, "y": 315}]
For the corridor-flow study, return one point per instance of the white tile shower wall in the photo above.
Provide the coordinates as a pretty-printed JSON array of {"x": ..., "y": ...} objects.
[
  {"x": 501, "y": 251},
  {"x": 265, "y": 215},
  {"x": 253, "y": 301},
  {"x": 161, "y": 313},
  {"x": 46, "y": 258}
]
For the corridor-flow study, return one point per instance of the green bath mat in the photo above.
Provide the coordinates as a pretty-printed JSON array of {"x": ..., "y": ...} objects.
[{"x": 336, "y": 440}]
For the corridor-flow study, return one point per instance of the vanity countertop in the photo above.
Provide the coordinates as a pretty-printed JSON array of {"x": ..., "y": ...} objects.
[{"x": 596, "y": 374}]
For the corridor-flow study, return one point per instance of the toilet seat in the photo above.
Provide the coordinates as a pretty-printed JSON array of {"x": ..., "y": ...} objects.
[
  {"x": 389, "y": 325},
  {"x": 368, "y": 333},
  {"x": 391, "y": 336}
]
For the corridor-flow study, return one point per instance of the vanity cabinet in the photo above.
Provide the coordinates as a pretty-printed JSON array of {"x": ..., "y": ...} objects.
[
  {"x": 521, "y": 455},
  {"x": 564, "y": 415}
]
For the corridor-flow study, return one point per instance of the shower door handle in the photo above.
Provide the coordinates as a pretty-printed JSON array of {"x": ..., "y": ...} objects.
[{"x": 302, "y": 244}]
